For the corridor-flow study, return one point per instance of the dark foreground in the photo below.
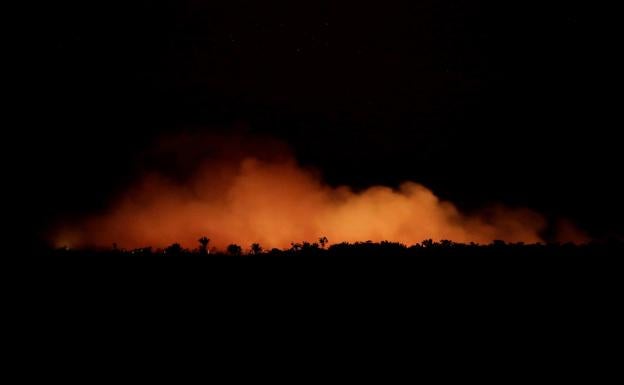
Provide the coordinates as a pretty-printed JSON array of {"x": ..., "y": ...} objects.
[
  {"x": 519, "y": 296},
  {"x": 363, "y": 264}
]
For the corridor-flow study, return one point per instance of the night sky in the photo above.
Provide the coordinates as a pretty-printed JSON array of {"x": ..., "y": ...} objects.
[{"x": 511, "y": 102}]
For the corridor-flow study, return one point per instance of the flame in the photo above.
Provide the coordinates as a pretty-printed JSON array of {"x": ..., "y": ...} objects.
[{"x": 238, "y": 196}]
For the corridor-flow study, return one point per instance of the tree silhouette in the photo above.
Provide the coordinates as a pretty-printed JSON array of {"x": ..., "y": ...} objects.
[
  {"x": 307, "y": 246},
  {"x": 234, "y": 249},
  {"x": 203, "y": 245},
  {"x": 174, "y": 249},
  {"x": 428, "y": 243},
  {"x": 323, "y": 241},
  {"x": 256, "y": 248},
  {"x": 446, "y": 243}
]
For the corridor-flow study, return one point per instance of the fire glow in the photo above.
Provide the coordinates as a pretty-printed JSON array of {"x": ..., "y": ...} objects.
[{"x": 238, "y": 196}]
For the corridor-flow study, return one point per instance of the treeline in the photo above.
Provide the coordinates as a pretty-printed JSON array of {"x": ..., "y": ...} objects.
[
  {"x": 437, "y": 270},
  {"x": 368, "y": 248}
]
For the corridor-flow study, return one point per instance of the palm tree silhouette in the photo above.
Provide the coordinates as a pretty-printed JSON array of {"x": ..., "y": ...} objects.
[{"x": 203, "y": 245}]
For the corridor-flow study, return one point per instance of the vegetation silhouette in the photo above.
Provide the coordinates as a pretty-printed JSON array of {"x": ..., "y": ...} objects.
[
  {"x": 426, "y": 248},
  {"x": 255, "y": 249},
  {"x": 428, "y": 267},
  {"x": 323, "y": 241},
  {"x": 234, "y": 250},
  {"x": 175, "y": 250},
  {"x": 203, "y": 245}
]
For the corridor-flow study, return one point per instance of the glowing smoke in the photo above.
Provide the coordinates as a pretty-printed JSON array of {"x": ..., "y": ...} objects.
[{"x": 242, "y": 191}]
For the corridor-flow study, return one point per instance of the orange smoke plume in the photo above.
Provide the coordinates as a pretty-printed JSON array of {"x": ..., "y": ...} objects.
[{"x": 243, "y": 191}]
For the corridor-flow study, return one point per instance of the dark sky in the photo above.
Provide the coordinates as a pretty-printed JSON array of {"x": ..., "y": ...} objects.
[{"x": 513, "y": 102}]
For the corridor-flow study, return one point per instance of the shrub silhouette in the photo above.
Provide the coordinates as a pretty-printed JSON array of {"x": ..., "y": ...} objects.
[
  {"x": 174, "y": 249},
  {"x": 234, "y": 249},
  {"x": 295, "y": 247}
]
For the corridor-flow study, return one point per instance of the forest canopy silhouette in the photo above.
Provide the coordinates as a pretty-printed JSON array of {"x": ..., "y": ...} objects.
[{"x": 239, "y": 189}]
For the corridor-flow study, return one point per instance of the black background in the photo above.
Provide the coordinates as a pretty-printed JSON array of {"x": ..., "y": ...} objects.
[{"x": 513, "y": 102}]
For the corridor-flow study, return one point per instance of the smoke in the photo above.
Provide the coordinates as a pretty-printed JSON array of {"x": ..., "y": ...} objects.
[{"x": 240, "y": 190}]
